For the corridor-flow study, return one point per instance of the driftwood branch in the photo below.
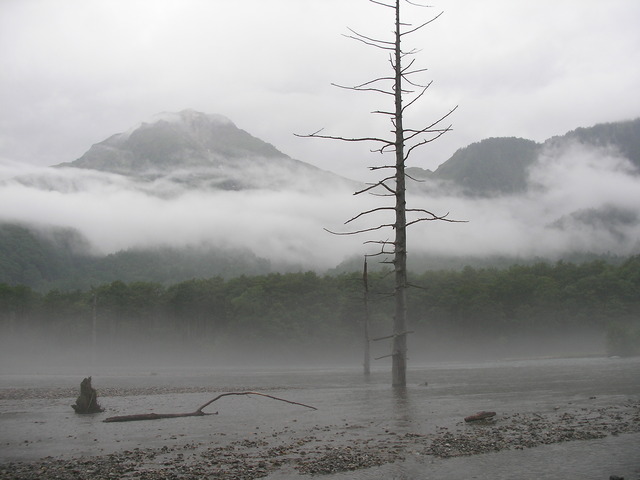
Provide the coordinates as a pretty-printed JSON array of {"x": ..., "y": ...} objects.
[
  {"x": 199, "y": 412},
  {"x": 253, "y": 393}
]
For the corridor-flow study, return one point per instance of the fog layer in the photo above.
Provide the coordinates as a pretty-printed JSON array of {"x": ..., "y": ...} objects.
[{"x": 577, "y": 200}]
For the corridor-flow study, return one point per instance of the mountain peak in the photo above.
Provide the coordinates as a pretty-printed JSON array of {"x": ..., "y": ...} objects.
[
  {"x": 198, "y": 150},
  {"x": 174, "y": 141},
  {"x": 190, "y": 117}
]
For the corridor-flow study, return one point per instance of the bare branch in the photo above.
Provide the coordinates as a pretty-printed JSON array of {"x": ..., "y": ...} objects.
[
  {"x": 418, "y": 4},
  {"x": 381, "y": 183},
  {"x": 430, "y": 129},
  {"x": 368, "y": 43},
  {"x": 433, "y": 217},
  {"x": 411, "y": 82},
  {"x": 407, "y": 67},
  {"x": 371, "y": 39},
  {"x": 372, "y": 42},
  {"x": 411, "y": 52},
  {"x": 426, "y": 212},
  {"x": 344, "y": 139},
  {"x": 382, "y": 112},
  {"x": 381, "y": 167},
  {"x": 413, "y": 178},
  {"x": 368, "y": 212},
  {"x": 420, "y": 70},
  {"x": 424, "y": 142},
  {"x": 383, "y": 4},
  {"x": 387, "y": 148},
  {"x": 374, "y": 194},
  {"x": 417, "y": 97},
  {"x": 356, "y": 232},
  {"x": 380, "y": 253},
  {"x": 379, "y": 79},
  {"x": 362, "y": 89},
  {"x": 421, "y": 26},
  {"x": 438, "y": 131},
  {"x": 379, "y": 242}
]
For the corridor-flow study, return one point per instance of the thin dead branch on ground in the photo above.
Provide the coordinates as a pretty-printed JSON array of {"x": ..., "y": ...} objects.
[{"x": 199, "y": 412}]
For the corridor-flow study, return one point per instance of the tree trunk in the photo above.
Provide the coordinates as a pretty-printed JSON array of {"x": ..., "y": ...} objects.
[
  {"x": 367, "y": 340},
  {"x": 399, "y": 354}
]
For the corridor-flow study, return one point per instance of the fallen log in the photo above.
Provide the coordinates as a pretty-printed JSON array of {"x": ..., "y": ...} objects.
[
  {"x": 198, "y": 412},
  {"x": 154, "y": 416},
  {"x": 480, "y": 416}
]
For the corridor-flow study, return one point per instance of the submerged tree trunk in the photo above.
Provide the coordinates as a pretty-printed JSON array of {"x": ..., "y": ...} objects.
[{"x": 367, "y": 340}]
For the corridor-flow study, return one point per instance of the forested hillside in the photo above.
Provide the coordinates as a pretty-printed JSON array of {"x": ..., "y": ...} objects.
[
  {"x": 311, "y": 316},
  {"x": 48, "y": 258}
]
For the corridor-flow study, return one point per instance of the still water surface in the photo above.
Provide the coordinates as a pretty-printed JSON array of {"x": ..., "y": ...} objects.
[{"x": 33, "y": 428}]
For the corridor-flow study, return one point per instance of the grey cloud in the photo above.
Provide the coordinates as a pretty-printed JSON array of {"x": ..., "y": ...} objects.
[{"x": 74, "y": 73}]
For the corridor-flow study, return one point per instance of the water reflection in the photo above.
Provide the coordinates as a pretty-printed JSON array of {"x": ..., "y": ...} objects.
[
  {"x": 402, "y": 407},
  {"x": 351, "y": 409}
]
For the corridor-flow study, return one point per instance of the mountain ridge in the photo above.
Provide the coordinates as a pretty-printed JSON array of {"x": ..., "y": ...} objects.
[
  {"x": 264, "y": 211},
  {"x": 200, "y": 151},
  {"x": 500, "y": 165},
  {"x": 170, "y": 140},
  {"x": 209, "y": 151}
]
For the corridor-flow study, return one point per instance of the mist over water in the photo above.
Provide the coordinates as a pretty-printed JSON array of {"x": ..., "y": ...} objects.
[
  {"x": 37, "y": 352},
  {"x": 578, "y": 199}
]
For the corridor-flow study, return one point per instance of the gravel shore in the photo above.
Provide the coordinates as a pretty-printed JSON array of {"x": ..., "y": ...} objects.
[{"x": 326, "y": 449}]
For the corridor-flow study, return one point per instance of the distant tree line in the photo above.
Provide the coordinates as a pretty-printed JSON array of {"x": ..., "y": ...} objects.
[{"x": 308, "y": 311}]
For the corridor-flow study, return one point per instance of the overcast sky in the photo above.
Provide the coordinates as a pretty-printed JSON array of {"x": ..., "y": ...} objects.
[{"x": 73, "y": 72}]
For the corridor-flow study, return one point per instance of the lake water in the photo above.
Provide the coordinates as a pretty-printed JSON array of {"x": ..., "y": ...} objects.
[{"x": 349, "y": 408}]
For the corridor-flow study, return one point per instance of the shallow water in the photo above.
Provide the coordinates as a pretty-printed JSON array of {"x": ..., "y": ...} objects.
[{"x": 33, "y": 428}]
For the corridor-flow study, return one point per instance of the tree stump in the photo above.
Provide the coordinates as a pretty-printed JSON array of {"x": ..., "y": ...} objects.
[{"x": 87, "y": 402}]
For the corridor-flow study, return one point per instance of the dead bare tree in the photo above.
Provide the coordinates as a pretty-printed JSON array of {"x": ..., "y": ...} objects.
[{"x": 405, "y": 91}]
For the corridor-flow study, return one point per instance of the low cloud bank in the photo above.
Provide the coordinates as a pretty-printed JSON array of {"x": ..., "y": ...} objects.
[{"x": 578, "y": 200}]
